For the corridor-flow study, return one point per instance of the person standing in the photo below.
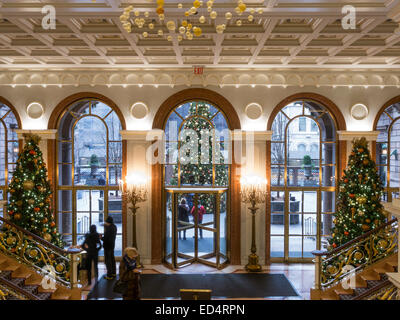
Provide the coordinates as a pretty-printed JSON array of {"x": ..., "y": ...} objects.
[
  {"x": 129, "y": 273},
  {"x": 200, "y": 213},
  {"x": 183, "y": 215},
  {"x": 110, "y": 234},
  {"x": 92, "y": 245}
]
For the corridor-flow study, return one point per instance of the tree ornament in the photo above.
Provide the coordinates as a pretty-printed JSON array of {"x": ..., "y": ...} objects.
[
  {"x": 47, "y": 237},
  {"x": 30, "y": 201},
  {"x": 17, "y": 216},
  {"x": 28, "y": 185}
]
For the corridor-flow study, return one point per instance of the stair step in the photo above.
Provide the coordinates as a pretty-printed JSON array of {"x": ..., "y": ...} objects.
[
  {"x": 33, "y": 280},
  {"x": 341, "y": 291},
  {"x": 330, "y": 296},
  {"x": 42, "y": 290},
  {"x": 383, "y": 269},
  {"x": 371, "y": 275},
  {"x": 60, "y": 296},
  {"x": 9, "y": 266},
  {"x": 20, "y": 273},
  {"x": 360, "y": 282}
]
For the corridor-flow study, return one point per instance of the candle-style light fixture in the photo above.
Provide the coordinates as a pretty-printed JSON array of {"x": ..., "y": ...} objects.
[
  {"x": 135, "y": 190},
  {"x": 253, "y": 191}
]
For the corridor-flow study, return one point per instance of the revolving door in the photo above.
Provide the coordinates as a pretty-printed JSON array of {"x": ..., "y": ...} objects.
[{"x": 196, "y": 226}]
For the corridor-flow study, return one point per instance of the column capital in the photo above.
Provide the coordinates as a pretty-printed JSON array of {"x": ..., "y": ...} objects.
[
  {"x": 350, "y": 135},
  {"x": 44, "y": 134},
  {"x": 140, "y": 135}
]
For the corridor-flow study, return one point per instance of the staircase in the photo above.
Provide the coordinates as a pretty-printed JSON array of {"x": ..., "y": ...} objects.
[
  {"x": 368, "y": 283},
  {"x": 357, "y": 270},
  {"x": 24, "y": 260}
]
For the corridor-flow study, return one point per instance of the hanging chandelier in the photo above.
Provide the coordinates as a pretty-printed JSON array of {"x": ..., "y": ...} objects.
[{"x": 191, "y": 25}]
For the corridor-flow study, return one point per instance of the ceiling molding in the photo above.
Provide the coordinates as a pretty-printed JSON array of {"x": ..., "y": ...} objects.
[{"x": 222, "y": 77}]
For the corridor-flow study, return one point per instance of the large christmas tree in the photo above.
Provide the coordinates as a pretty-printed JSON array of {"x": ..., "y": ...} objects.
[
  {"x": 358, "y": 208},
  {"x": 30, "y": 195},
  {"x": 192, "y": 174}
]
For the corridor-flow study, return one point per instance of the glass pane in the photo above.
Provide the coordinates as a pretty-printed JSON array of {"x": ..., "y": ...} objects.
[
  {"x": 277, "y": 224},
  {"x": 171, "y": 152},
  {"x": 310, "y": 244},
  {"x": 328, "y": 153},
  {"x": 293, "y": 109},
  {"x": 114, "y": 202},
  {"x": 279, "y": 127},
  {"x": 381, "y": 153},
  {"x": 328, "y": 128},
  {"x": 220, "y": 122},
  {"x": 277, "y": 201},
  {"x": 277, "y": 175},
  {"x": 12, "y": 152},
  {"x": 295, "y": 246},
  {"x": 118, "y": 245},
  {"x": 172, "y": 127},
  {"x": 90, "y": 150},
  {"x": 328, "y": 176},
  {"x": 65, "y": 152},
  {"x": 97, "y": 209},
  {"x": 114, "y": 127},
  {"x": 64, "y": 174},
  {"x": 64, "y": 200},
  {"x": 327, "y": 224},
  {"x": 394, "y": 154},
  {"x": 307, "y": 176},
  {"x": 3, "y": 109},
  {"x": 221, "y": 175},
  {"x": 310, "y": 201},
  {"x": 277, "y": 153},
  {"x": 12, "y": 124},
  {"x": 328, "y": 201},
  {"x": 310, "y": 224},
  {"x": 206, "y": 242},
  {"x": 277, "y": 246},
  {"x": 82, "y": 222},
  {"x": 295, "y": 223},
  {"x": 171, "y": 175},
  {"x": 114, "y": 175},
  {"x": 394, "y": 110},
  {"x": 185, "y": 227},
  {"x": 382, "y": 171},
  {"x": 223, "y": 225},
  {"x": 83, "y": 200},
  {"x": 65, "y": 222},
  {"x": 11, "y": 169},
  {"x": 100, "y": 109},
  {"x": 168, "y": 225},
  {"x": 115, "y": 152},
  {"x": 183, "y": 110}
]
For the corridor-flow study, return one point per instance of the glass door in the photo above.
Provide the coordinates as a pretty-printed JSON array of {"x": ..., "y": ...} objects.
[{"x": 196, "y": 227}]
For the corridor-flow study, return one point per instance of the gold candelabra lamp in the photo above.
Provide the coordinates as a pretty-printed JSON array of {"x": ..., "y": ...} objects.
[
  {"x": 135, "y": 190},
  {"x": 253, "y": 191}
]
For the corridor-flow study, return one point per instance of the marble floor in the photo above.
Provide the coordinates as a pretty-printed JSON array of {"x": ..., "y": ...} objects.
[{"x": 301, "y": 275}]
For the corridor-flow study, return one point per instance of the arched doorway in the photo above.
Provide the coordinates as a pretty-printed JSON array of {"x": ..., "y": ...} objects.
[
  {"x": 387, "y": 123},
  {"x": 89, "y": 163},
  {"x": 9, "y": 145},
  {"x": 303, "y": 178},
  {"x": 196, "y": 109}
]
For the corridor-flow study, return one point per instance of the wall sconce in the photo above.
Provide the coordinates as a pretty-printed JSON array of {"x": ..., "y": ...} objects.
[
  {"x": 135, "y": 191},
  {"x": 253, "y": 191}
]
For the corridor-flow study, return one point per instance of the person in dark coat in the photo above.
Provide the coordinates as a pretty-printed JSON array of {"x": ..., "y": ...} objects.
[
  {"x": 110, "y": 233},
  {"x": 200, "y": 213},
  {"x": 183, "y": 215},
  {"x": 92, "y": 245},
  {"x": 128, "y": 272}
]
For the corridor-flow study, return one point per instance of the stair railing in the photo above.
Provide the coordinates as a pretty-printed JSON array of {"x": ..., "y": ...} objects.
[
  {"x": 28, "y": 248},
  {"x": 333, "y": 266}
]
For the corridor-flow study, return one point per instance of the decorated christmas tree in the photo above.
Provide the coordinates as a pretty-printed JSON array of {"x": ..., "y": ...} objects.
[
  {"x": 30, "y": 195},
  {"x": 202, "y": 174},
  {"x": 358, "y": 208}
]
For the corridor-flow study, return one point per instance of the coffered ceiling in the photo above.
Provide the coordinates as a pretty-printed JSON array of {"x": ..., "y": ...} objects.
[{"x": 287, "y": 34}]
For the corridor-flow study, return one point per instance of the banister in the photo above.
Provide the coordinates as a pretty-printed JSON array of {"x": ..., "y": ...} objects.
[
  {"x": 43, "y": 241},
  {"x": 355, "y": 240}
]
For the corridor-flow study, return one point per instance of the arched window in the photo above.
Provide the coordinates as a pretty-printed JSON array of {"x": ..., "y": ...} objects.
[
  {"x": 89, "y": 158},
  {"x": 388, "y": 149},
  {"x": 302, "y": 183},
  {"x": 196, "y": 175},
  {"x": 8, "y": 147}
]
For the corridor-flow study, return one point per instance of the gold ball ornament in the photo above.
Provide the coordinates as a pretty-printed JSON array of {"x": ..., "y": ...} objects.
[
  {"x": 228, "y": 16},
  {"x": 180, "y": 5},
  {"x": 213, "y": 14},
  {"x": 28, "y": 185},
  {"x": 33, "y": 253},
  {"x": 250, "y": 18},
  {"x": 47, "y": 237},
  {"x": 202, "y": 19},
  {"x": 160, "y": 32},
  {"x": 169, "y": 38},
  {"x": 60, "y": 267},
  {"x": 182, "y": 30},
  {"x": 171, "y": 25},
  {"x": 145, "y": 34},
  {"x": 180, "y": 38},
  {"x": 242, "y": 7},
  {"x": 239, "y": 23},
  {"x": 160, "y": 2},
  {"x": 196, "y": 4},
  {"x": 197, "y": 31}
]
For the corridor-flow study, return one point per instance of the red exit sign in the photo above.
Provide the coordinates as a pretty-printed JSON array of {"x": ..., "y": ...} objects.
[{"x": 198, "y": 70}]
